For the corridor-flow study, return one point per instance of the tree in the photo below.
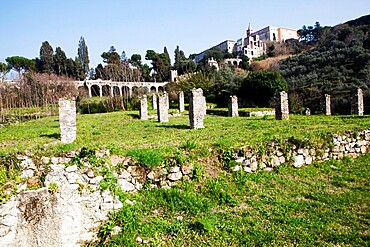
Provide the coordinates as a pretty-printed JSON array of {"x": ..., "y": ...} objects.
[
  {"x": 60, "y": 62},
  {"x": 46, "y": 58},
  {"x": 182, "y": 64},
  {"x": 20, "y": 64},
  {"x": 225, "y": 82},
  {"x": 161, "y": 64},
  {"x": 79, "y": 73},
  {"x": 111, "y": 57},
  {"x": 136, "y": 60},
  {"x": 261, "y": 86},
  {"x": 4, "y": 68},
  {"x": 83, "y": 55}
]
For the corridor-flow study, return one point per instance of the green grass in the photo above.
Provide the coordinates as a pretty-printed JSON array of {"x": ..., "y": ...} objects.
[
  {"x": 318, "y": 205},
  {"x": 122, "y": 131}
]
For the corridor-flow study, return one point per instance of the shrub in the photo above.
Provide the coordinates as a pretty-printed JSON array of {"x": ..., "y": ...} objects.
[{"x": 147, "y": 157}]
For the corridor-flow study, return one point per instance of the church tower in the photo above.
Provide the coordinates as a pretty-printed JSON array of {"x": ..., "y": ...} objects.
[{"x": 249, "y": 30}]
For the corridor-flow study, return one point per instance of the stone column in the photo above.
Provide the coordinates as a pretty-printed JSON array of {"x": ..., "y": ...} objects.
[
  {"x": 120, "y": 92},
  {"x": 67, "y": 120},
  {"x": 357, "y": 106},
  {"x": 308, "y": 111},
  {"x": 89, "y": 88},
  {"x": 162, "y": 108},
  {"x": 101, "y": 90},
  {"x": 168, "y": 100},
  {"x": 233, "y": 106},
  {"x": 327, "y": 105},
  {"x": 197, "y": 108},
  {"x": 282, "y": 107},
  {"x": 144, "y": 108},
  {"x": 181, "y": 102},
  {"x": 112, "y": 91},
  {"x": 154, "y": 101}
]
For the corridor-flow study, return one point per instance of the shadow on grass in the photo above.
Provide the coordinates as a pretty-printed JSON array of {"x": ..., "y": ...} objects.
[
  {"x": 175, "y": 126},
  {"x": 53, "y": 136},
  {"x": 135, "y": 116}
]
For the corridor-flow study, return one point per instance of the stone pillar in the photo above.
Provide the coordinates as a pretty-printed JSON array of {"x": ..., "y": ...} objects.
[
  {"x": 120, "y": 92},
  {"x": 181, "y": 102},
  {"x": 168, "y": 100},
  {"x": 101, "y": 91},
  {"x": 162, "y": 108},
  {"x": 327, "y": 105},
  {"x": 112, "y": 91},
  {"x": 308, "y": 111},
  {"x": 197, "y": 108},
  {"x": 67, "y": 120},
  {"x": 154, "y": 101},
  {"x": 144, "y": 108},
  {"x": 282, "y": 107},
  {"x": 357, "y": 106},
  {"x": 89, "y": 88},
  {"x": 233, "y": 106}
]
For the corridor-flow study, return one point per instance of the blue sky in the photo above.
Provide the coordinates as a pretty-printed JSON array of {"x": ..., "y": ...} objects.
[{"x": 136, "y": 26}]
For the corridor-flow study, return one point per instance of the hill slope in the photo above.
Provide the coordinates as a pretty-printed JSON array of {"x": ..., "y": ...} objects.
[{"x": 339, "y": 64}]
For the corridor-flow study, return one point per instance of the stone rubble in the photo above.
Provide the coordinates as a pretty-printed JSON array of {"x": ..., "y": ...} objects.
[
  {"x": 343, "y": 145},
  {"x": 71, "y": 204}
]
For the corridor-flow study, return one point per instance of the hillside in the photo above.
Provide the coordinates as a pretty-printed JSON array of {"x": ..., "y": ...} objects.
[{"x": 338, "y": 64}]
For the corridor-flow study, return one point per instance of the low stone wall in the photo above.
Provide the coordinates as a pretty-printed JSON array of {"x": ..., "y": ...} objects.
[
  {"x": 300, "y": 153},
  {"x": 260, "y": 113},
  {"x": 70, "y": 207}
]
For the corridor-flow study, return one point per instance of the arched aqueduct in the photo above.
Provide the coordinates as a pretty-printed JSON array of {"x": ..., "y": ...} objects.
[{"x": 115, "y": 88}]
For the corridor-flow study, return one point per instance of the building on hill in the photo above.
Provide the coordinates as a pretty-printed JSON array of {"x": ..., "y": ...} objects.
[
  {"x": 253, "y": 45},
  {"x": 225, "y": 46}
]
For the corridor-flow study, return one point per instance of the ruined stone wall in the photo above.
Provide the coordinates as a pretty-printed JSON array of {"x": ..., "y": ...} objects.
[{"x": 351, "y": 144}]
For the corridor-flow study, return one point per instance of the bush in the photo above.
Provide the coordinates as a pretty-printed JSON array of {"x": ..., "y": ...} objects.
[{"x": 147, "y": 157}]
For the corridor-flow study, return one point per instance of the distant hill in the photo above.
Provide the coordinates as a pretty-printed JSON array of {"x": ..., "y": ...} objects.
[
  {"x": 363, "y": 20},
  {"x": 338, "y": 63}
]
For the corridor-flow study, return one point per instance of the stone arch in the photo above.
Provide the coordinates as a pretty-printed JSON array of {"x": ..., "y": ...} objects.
[
  {"x": 116, "y": 91},
  {"x": 126, "y": 91},
  {"x": 135, "y": 91},
  {"x": 153, "y": 89},
  {"x": 95, "y": 90},
  {"x": 144, "y": 90},
  {"x": 160, "y": 89},
  {"x": 235, "y": 63},
  {"x": 106, "y": 90}
]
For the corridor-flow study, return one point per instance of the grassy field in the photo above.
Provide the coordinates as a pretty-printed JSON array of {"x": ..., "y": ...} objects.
[
  {"x": 122, "y": 131},
  {"x": 324, "y": 204}
]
